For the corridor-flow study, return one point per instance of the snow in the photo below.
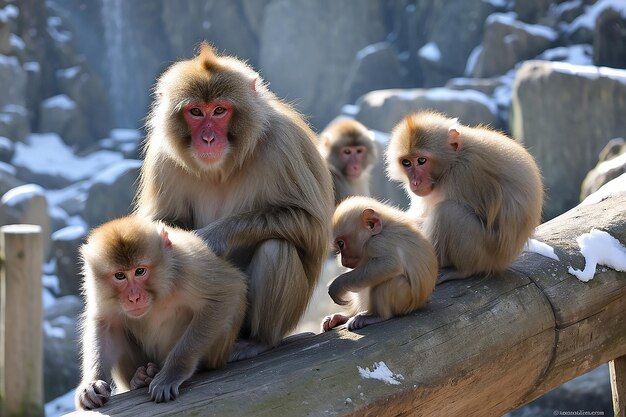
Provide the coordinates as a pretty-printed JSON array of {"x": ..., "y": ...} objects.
[
  {"x": 599, "y": 248},
  {"x": 445, "y": 94},
  {"x": 51, "y": 331},
  {"x": 497, "y": 3},
  {"x": 110, "y": 175},
  {"x": 78, "y": 190},
  {"x": 19, "y": 195},
  {"x": 543, "y": 249},
  {"x": 7, "y": 169},
  {"x": 16, "y": 42},
  {"x": 68, "y": 73},
  {"x": 590, "y": 71},
  {"x": 69, "y": 233},
  {"x": 588, "y": 19},
  {"x": 612, "y": 164},
  {"x": 535, "y": 30},
  {"x": 9, "y": 12},
  {"x": 45, "y": 153},
  {"x": 370, "y": 49},
  {"x": 430, "y": 52},
  {"x": 9, "y": 61},
  {"x": 62, "y": 405},
  {"x": 32, "y": 66},
  {"x": 60, "y": 101},
  {"x": 59, "y": 36},
  {"x": 125, "y": 135},
  {"x": 614, "y": 187},
  {"x": 574, "y": 54},
  {"x": 47, "y": 298},
  {"x": 381, "y": 372},
  {"x": 51, "y": 282},
  {"x": 350, "y": 109}
]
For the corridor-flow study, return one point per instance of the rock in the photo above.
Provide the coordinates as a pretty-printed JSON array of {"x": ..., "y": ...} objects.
[
  {"x": 375, "y": 67},
  {"x": 8, "y": 180},
  {"x": 611, "y": 164},
  {"x": 14, "y": 122},
  {"x": 581, "y": 30},
  {"x": 609, "y": 39},
  {"x": 13, "y": 81},
  {"x": 484, "y": 85},
  {"x": 61, "y": 356},
  {"x": 60, "y": 114},
  {"x": 7, "y": 149},
  {"x": 573, "y": 54},
  {"x": 125, "y": 141},
  {"x": 27, "y": 204},
  {"x": 67, "y": 305},
  {"x": 301, "y": 56},
  {"x": 112, "y": 192},
  {"x": 531, "y": 11},
  {"x": 541, "y": 117},
  {"x": 561, "y": 15},
  {"x": 6, "y": 15},
  {"x": 382, "y": 109},
  {"x": 34, "y": 90},
  {"x": 508, "y": 42},
  {"x": 65, "y": 245}
]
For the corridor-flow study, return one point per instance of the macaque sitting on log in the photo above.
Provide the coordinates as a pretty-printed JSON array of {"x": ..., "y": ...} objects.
[
  {"x": 395, "y": 267},
  {"x": 480, "y": 193},
  {"x": 159, "y": 305},
  {"x": 350, "y": 153}
]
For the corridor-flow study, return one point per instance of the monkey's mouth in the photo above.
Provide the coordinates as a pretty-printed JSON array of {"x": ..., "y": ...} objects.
[
  {"x": 423, "y": 189},
  {"x": 349, "y": 261},
  {"x": 137, "y": 312}
]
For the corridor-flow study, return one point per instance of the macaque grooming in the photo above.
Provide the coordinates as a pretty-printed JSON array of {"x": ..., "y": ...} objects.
[
  {"x": 395, "y": 267},
  {"x": 350, "y": 153},
  {"x": 480, "y": 192},
  {"x": 159, "y": 305},
  {"x": 226, "y": 157}
]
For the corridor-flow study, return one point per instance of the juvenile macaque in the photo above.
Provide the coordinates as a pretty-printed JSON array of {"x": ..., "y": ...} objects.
[
  {"x": 159, "y": 305},
  {"x": 224, "y": 155},
  {"x": 480, "y": 193},
  {"x": 395, "y": 267},
  {"x": 350, "y": 153}
]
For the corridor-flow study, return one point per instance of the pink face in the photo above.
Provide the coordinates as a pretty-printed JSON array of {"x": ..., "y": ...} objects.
[
  {"x": 209, "y": 129},
  {"x": 131, "y": 287},
  {"x": 352, "y": 157},
  {"x": 349, "y": 257},
  {"x": 417, "y": 168}
]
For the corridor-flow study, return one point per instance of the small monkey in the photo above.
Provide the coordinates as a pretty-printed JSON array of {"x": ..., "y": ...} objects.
[
  {"x": 350, "y": 153},
  {"x": 159, "y": 304},
  {"x": 479, "y": 192},
  {"x": 395, "y": 267}
]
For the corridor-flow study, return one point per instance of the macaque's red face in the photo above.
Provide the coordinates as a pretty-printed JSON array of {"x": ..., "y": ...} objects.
[
  {"x": 131, "y": 286},
  {"x": 418, "y": 171},
  {"x": 349, "y": 249},
  {"x": 209, "y": 123},
  {"x": 352, "y": 157}
]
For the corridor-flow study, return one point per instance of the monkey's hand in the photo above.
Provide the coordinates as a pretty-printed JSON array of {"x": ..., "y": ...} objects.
[
  {"x": 337, "y": 292},
  {"x": 164, "y": 386},
  {"x": 143, "y": 376},
  {"x": 334, "y": 320},
  {"x": 92, "y": 395},
  {"x": 362, "y": 319}
]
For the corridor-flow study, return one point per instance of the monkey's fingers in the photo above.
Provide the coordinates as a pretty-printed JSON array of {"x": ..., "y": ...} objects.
[
  {"x": 362, "y": 319},
  {"x": 162, "y": 390},
  {"x": 94, "y": 395},
  {"x": 152, "y": 369},
  {"x": 332, "y": 321}
]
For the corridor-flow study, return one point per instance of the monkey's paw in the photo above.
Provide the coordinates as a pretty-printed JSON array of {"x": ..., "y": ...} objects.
[
  {"x": 143, "y": 376},
  {"x": 92, "y": 395},
  {"x": 164, "y": 387},
  {"x": 361, "y": 320},
  {"x": 332, "y": 321}
]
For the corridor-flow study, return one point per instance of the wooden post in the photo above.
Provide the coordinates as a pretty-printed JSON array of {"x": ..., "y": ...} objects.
[
  {"x": 21, "y": 349},
  {"x": 617, "y": 369}
]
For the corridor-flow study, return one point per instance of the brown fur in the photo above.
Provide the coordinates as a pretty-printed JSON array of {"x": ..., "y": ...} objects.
[
  {"x": 487, "y": 197},
  {"x": 265, "y": 205}
]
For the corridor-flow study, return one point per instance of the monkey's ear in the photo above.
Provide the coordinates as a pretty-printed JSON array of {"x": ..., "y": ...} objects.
[
  {"x": 454, "y": 138},
  {"x": 325, "y": 141},
  {"x": 166, "y": 238},
  {"x": 371, "y": 221},
  {"x": 253, "y": 84}
]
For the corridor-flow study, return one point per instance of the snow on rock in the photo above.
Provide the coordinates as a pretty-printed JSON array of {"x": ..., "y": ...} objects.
[
  {"x": 381, "y": 372},
  {"x": 509, "y": 19},
  {"x": 614, "y": 187},
  {"x": 590, "y": 71},
  {"x": 588, "y": 20},
  {"x": 19, "y": 195},
  {"x": 70, "y": 233},
  {"x": 543, "y": 249},
  {"x": 8, "y": 13},
  {"x": 61, "y": 101},
  {"x": 61, "y": 405},
  {"x": 599, "y": 248},
  {"x": 430, "y": 52}
]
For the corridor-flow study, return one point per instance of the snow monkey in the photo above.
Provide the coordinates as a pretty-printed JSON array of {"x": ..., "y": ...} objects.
[
  {"x": 395, "y": 267},
  {"x": 159, "y": 305},
  {"x": 225, "y": 156},
  {"x": 350, "y": 152},
  {"x": 480, "y": 192}
]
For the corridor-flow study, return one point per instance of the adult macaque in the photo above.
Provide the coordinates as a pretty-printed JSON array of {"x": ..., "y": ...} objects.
[
  {"x": 395, "y": 267},
  {"x": 480, "y": 192},
  {"x": 159, "y": 304},
  {"x": 350, "y": 153},
  {"x": 225, "y": 156}
]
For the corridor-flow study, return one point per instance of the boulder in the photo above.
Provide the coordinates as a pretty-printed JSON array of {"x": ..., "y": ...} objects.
[
  {"x": 112, "y": 192},
  {"x": 61, "y": 356},
  {"x": 301, "y": 55},
  {"x": 65, "y": 245},
  {"x": 541, "y": 116},
  {"x": 6, "y": 14},
  {"x": 507, "y": 42},
  {"x": 609, "y": 38},
  {"x": 382, "y": 109},
  {"x": 13, "y": 81},
  {"x": 7, "y": 149},
  {"x": 34, "y": 90},
  {"x": 581, "y": 30},
  {"x": 60, "y": 114},
  {"x": 484, "y": 85},
  {"x": 531, "y": 11},
  {"x": 8, "y": 179},
  {"x": 14, "y": 122},
  {"x": 611, "y": 164}
]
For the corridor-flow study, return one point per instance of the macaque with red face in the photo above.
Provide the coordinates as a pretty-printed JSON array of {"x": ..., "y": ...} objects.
[
  {"x": 394, "y": 266},
  {"x": 350, "y": 153},
  {"x": 224, "y": 156},
  {"x": 159, "y": 305},
  {"x": 479, "y": 194}
]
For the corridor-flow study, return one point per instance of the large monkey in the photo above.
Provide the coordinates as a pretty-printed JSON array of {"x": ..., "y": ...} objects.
[
  {"x": 224, "y": 155},
  {"x": 480, "y": 192},
  {"x": 350, "y": 153},
  {"x": 395, "y": 267},
  {"x": 155, "y": 296}
]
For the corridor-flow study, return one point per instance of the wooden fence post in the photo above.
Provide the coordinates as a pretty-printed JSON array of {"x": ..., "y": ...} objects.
[
  {"x": 617, "y": 369},
  {"x": 21, "y": 349}
]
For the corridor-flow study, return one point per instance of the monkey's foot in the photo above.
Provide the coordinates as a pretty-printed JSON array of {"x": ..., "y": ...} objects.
[
  {"x": 334, "y": 320},
  {"x": 246, "y": 349},
  {"x": 449, "y": 274},
  {"x": 143, "y": 376},
  {"x": 362, "y": 319},
  {"x": 92, "y": 395}
]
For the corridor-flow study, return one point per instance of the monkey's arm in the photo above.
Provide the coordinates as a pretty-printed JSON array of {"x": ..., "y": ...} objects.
[{"x": 374, "y": 272}]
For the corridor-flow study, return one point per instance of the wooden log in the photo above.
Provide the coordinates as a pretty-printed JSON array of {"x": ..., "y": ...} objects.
[
  {"x": 617, "y": 369},
  {"x": 21, "y": 351},
  {"x": 481, "y": 347}
]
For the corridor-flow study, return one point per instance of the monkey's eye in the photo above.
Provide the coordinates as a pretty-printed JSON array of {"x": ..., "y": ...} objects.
[
  {"x": 195, "y": 112},
  {"x": 119, "y": 276},
  {"x": 219, "y": 110},
  {"x": 359, "y": 151},
  {"x": 405, "y": 162},
  {"x": 340, "y": 244},
  {"x": 140, "y": 272},
  {"x": 421, "y": 161},
  {"x": 347, "y": 151}
]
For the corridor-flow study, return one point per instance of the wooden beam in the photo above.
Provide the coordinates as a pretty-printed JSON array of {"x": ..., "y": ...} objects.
[{"x": 617, "y": 369}]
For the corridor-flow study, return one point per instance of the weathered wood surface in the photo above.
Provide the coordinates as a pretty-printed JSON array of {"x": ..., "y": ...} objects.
[
  {"x": 481, "y": 347},
  {"x": 21, "y": 349},
  {"x": 617, "y": 370}
]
